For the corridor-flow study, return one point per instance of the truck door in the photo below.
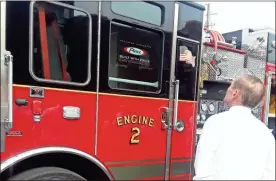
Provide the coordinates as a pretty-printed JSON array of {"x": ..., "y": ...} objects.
[
  {"x": 138, "y": 92},
  {"x": 136, "y": 89},
  {"x": 188, "y": 52}
]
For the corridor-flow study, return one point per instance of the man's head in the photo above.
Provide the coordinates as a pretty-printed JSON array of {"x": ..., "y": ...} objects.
[{"x": 246, "y": 90}]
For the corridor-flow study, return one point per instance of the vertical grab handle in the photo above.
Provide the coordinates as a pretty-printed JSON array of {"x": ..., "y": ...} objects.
[
  {"x": 178, "y": 125},
  {"x": 9, "y": 63},
  {"x": 176, "y": 93}
]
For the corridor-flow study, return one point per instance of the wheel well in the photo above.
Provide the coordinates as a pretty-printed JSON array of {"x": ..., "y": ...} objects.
[{"x": 77, "y": 164}]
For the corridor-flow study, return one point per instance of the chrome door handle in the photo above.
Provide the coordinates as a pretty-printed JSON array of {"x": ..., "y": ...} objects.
[{"x": 165, "y": 111}]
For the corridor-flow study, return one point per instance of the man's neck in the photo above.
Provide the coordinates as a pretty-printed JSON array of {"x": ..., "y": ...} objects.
[
  {"x": 240, "y": 108},
  {"x": 237, "y": 103}
]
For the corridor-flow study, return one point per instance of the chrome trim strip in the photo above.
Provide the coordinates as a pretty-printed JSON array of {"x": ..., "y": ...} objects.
[
  {"x": 39, "y": 151},
  {"x": 3, "y": 28},
  {"x": 98, "y": 75},
  {"x": 31, "y": 20},
  {"x": 171, "y": 91},
  {"x": 10, "y": 88},
  {"x": 4, "y": 67},
  {"x": 188, "y": 39}
]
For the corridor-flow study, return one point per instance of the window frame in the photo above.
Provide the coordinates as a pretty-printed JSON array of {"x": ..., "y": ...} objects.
[
  {"x": 31, "y": 48},
  {"x": 197, "y": 63},
  {"x": 149, "y": 2},
  {"x": 158, "y": 91}
]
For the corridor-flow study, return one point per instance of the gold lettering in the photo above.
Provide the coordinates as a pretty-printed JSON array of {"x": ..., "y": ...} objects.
[
  {"x": 127, "y": 120},
  {"x": 119, "y": 121},
  {"x": 135, "y": 135},
  {"x": 139, "y": 119},
  {"x": 134, "y": 119},
  {"x": 145, "y": 120},
  {"x": 151, "y": 122}
]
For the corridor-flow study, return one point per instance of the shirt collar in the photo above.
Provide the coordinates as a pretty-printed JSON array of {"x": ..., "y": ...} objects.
[{"x": 240, "y": 108}]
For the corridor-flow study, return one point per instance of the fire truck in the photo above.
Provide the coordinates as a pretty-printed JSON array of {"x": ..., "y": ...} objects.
[
  {"x": 229, "y": 55},
  {"x": 95, "y": 90}
]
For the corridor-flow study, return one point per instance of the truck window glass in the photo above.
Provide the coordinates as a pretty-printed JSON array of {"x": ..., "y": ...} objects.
[
  {"x": 190, "y": 22},
  {"x": 135, "y": 60},
  {"x": 139, "y": 10},
  {"x": 271, "y": 48},
  {"x": 186, "y": 69},
  {"x": 60, "y": 43}
]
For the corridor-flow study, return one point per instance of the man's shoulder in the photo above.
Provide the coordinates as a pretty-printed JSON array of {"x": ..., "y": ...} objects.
[
  {"x": 266, "y": 131},
  {"x": 217, "y": 117},
  {"x": 262, "y": 129},
  {"x": 216, "y": 121}
]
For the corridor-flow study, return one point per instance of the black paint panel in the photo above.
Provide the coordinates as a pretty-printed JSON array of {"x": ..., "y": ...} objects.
[{"x": 18, "y": 41}]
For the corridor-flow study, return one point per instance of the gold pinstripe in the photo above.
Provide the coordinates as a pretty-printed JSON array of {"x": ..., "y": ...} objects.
[{"x": 101, "y": 93}]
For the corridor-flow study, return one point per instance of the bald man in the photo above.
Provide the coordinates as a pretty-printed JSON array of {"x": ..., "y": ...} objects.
[{"x": 235, "y": 145}]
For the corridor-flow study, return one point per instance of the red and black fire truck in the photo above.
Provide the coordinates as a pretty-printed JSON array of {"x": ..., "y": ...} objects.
[{"x": 94, "y": 90}]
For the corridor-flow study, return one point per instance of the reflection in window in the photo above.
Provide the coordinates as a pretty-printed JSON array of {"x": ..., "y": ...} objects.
[
  {"x": 135, "y": 58},
  {"x": 60, "y": 43},
  {"x": 190, "y": 22},
  {"x": 139, "y": 10},
  {"x": 186, "y": 69}
]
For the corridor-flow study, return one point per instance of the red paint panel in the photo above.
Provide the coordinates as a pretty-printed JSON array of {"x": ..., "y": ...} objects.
[
  {"x": 53, "y": 129},
  {"x": 114, "y": 141},
  {"x": 183, "y": 142}
]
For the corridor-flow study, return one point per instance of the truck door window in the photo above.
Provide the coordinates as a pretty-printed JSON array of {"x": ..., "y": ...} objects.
[
  {"x": 143, "y": 11},
  {"x": 60, "y": 48},
  {"x": 187, "y": 69},
  {"x": 135, "y": 60}
]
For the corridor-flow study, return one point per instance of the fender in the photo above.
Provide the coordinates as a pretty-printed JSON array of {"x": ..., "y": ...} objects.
[{"x": 39, "y": 151}]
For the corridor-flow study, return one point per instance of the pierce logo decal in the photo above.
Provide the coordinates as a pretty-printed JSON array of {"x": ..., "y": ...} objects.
[{"x": 135, "y": 51}]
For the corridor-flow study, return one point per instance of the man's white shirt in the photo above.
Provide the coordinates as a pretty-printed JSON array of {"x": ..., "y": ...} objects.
[{"x": 235, "y": 145}]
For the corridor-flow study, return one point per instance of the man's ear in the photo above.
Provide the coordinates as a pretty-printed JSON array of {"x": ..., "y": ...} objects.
[{"x": 235, "y": 93}]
